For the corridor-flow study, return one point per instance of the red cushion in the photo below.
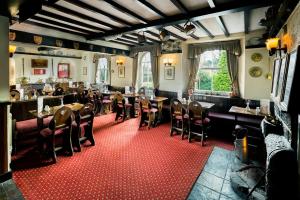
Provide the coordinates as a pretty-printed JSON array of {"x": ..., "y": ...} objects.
[
  {"x": 128, "y": 104},
  {"x": 46, "y": 132},
  {"x": 200, "y": 122},
  {"x": 46, "y": 121},
  {"x": 151, "y": 110},
  {"x": 154, "y": 110},
  {"x": 106, "y": 101},
  {"x": 27, "y": 126}
]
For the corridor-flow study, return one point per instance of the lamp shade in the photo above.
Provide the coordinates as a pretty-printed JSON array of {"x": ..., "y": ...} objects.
[
  {"x": 12, "y": 49},
  {"x": 164, "y": 35},
  {"x": 189, "y": 29},
  {"x": 272, "y": 43}
]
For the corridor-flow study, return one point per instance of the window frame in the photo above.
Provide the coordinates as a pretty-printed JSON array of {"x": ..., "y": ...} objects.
[
  {"x": 142, "y": 63},
  {"x": 100, "y": 71}
]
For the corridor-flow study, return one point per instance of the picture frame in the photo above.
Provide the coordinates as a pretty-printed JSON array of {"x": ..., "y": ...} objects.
[
  {"x": 169, "y": 72},
  {"x": 290, "y": 81},
  {"x": 121, "y": 71},
  {"x": 281, "y": 77},
  {"x": 63, "y": 70},
  {"x": 276, "y": 69},
  {"x": 39, "y": 63},
  {"x": 39, "y": 71},
  {"x": 84, "y": 71}
]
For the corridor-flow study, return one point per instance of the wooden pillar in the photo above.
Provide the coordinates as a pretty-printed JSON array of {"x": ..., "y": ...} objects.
[{"x": 4, "y": 95}]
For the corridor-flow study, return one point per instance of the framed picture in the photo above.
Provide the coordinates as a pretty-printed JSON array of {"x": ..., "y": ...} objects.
[
  {"x": 281, "y": 78},
  {"x": 63, "y": 70},
  {"x": 169, "y": 72},
  {"x": 39, "y": 71},
  {"x": 84, "y": 71},
  {"x": 276, "y": 69},
  {"x": 39, "y": 63},
  {"x": 121, "y": 71},
  {"x": 290, "y": 82}
]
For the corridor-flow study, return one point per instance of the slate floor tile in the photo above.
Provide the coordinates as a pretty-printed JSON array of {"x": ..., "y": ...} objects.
[
  {"x": 211, "y": 181},
  {"x": 228, "y": 191},
  {"x": 203, "y": 193}
]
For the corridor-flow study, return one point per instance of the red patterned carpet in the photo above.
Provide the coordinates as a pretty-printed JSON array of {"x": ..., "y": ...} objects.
[{"x": 126, "y": 163}]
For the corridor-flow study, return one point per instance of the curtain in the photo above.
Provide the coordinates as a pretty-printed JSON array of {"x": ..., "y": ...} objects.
[
  {"x": 155, "y": 52},
  {"x": 96, "y": 61},
  {"x": 193, "y": 72},
  {"x": 233, "y": 50},
  {"x": 155, "y": 70},
  {"x": 134, "y": 69}
]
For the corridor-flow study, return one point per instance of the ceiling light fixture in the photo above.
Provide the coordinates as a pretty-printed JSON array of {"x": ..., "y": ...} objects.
[
  {"x": 141, "y": 38},
  {"x": 189, "y": 29},
  {"x": 164, "y": 35}
]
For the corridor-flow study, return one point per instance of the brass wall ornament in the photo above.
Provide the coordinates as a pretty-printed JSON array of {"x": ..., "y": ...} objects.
[
  {"x": 37, "y": 39},
  {"x": 255, "y": 71},
  {"x": 76, "y": 45},
  {"x": 12, "y": 36},
  {"x": 59, "y": 43}
]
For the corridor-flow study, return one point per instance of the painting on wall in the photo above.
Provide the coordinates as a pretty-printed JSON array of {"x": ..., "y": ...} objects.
[
  {"x": 39, "y": 71},
  {"x": 39, "y": 63},
  {"x": 121, "y": 71},
  {"x": 63, "y": 70},
  {"x": 169, "y": 72}
]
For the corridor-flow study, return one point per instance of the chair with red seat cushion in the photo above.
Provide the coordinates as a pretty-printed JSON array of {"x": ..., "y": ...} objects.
[
  {"x": 197, "y": 122},
  {"x": 59, "y": 126},
  {"x": 179, "y": 118},
  {"x": 82, "y": 128},
  {"x": 148, "y": 114},
  {"x": 121, "y": 106}
]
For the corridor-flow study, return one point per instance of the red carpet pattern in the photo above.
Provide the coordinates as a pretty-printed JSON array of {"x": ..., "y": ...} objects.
[{"x": 126, "y": 163}]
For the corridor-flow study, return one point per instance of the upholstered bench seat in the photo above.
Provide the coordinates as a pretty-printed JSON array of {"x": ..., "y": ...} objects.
[
  {"x": 26, "y": 128},
  {"x": 47, "y": 131},
  {"x": 221, "y": 115}
]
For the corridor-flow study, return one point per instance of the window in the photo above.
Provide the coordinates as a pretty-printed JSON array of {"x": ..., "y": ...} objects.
[
  {"x": 213, "y": 74},
  {"x": 145, "y": 75},
  {"x": 102, "y": 71}
]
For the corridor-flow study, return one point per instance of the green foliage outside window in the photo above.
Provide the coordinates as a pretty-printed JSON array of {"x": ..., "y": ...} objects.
[{"x": 221, "y": 80}]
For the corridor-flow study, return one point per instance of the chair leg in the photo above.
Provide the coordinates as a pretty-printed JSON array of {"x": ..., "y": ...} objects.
[
  {"x": 89, "y": 134},
  {"x": 202, "y": 137},
  {"x": 75, "y": 139},
  {"x": 189, "y": 136},
  {"x": 51, "y": 146}
]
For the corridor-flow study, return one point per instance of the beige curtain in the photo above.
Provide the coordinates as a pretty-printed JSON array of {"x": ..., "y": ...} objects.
[
  {"x": 96, "y": 61},
  {"x": 134, "y": 69},
  {"x": 193, "y": 72},
  {"x": 155, "y": 70}
]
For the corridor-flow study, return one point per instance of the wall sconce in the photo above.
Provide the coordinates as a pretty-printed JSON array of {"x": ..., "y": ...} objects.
[
  {"x": 11, "y": 50},
  {"x": 273, "y": 44},
  {"x": 119, "y": 62},
  {"x": 168, "y": 61}
]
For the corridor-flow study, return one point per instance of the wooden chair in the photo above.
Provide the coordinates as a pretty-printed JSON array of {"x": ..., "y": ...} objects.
[
  {"x": 82, "y": 96},
  {"x": 58, "y": 91},
  {"x": 197, "y": 122},
  {"x": 106, "y": 103},
  {"x": 14, "y": 95},
  {"x": 82, "y": 128},
  {"x": 98, "y": 101},
  {"x": 121, "y": 106},
  {"x": 148, "y": 114},
  {"x": 179, "y": 118},
  {"x": 59, "y": 126}
]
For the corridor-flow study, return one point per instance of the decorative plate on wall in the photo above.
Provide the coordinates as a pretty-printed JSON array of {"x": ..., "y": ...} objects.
[
  {"x": 255, "y": 71},
  {"x": 256, "y": 57}
]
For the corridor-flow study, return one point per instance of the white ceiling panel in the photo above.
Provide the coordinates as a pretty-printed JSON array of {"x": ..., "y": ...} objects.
[
  {"x": 234, "y": 22},
  {"x": 195, "y": 4},
  {"x": 138, "y": 8},
  {"x": 255, "y": 16},
  {"x": 55, "y": 26},
  {"x": 63, "y": 22},
  {"x": 89, "y": 13},
  {"x": 102, "y": 5},
  {"x": 212, "y": 25},
  {"x": 176, "y": 31},
  {"x": 75, "y": 18},
  {"x": 165, "y": 6}
]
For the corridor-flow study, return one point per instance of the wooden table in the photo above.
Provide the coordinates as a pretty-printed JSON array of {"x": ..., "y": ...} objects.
[
  {"x": 240, "y": 111},
  {"x": 131, "y": 100},
  {"x": 205, "y": 105},
  {"x": 159, "y": 101}
]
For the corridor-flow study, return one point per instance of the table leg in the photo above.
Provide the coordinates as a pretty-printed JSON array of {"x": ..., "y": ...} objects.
[{"x": 131, "y": 100}]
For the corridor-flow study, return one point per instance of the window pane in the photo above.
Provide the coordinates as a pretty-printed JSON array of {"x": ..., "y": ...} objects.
[
  {"x": 146, "y": 74},
  {"x": 213, "y": 72},
  {"x": 102, "y": 71}
]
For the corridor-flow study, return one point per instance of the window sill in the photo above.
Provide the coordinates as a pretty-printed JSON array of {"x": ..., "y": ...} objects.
[{"x": 225, "y": 95}]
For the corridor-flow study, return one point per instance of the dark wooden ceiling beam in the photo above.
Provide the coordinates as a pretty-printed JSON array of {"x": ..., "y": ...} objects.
[
  {"x": 201, "y": 26},
  {"x": 152, "y": 8},
  {"x": 127, "y": 41},
  {"x": 180, "y": 28},
  {"x": 222, "y": 26},
  {"x": 247, "y": 21},
  {"x": 48, "y": 21},
  {"x": 180, "y": 6},
  {"x": 80, "y": 15},
  {"x": 134, "y": 39},
  {"x": 54, "y": 28},
  {"x": 120, "y": 42},
  {"x": 194, "y": 15},
  {"x": 125, "y": 10},
  {"x": 98, "y": 11},
  {"x": 219, "y": 19},
  {"x": 66, "y": 19},
  {"x": 177, "y": 36},
  {"x": 148, "y": 38}
]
